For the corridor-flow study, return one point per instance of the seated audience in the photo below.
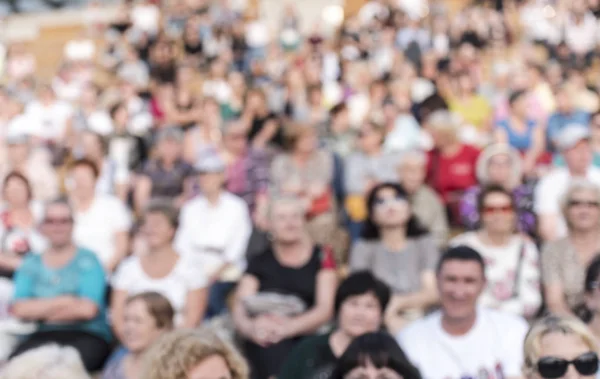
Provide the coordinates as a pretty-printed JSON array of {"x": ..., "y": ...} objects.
[
  {"x": 462, "y": 340},
  {"x": 512, "y": 260},
  {"x": 426, "y": 204},
  {"x": 146, "y": 317},
  {"x": 500, "y": 165},
  {"x": 102, "y": 222},
  {"x": 52, "y": 361},
  {"x": 559, "y": 347},
  {"x": 375, "y": 355},
  {"x": 63, "y": 290},
  {"x": 360, "y": 303},
  {"x": 193, "y": 354},
  {"x": 160, "y": 269},
  {"x": 296, "y": 268},
  {"x": 217, "y": 240},
  {"x": 564, "y": 261},
  {"x": 398, "y": 251}
]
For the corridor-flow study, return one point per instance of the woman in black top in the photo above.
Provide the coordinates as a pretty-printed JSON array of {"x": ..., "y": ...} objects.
[
  {"x": 360, "y": 302},
  {"x": 263, "y": 125},
  {"x": 292, "y": 266}
]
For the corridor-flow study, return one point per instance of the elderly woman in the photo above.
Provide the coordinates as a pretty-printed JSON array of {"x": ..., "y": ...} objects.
[
  {"x": 360, "y": 303},
  {"x": 499, "y": 164},
  {"x": 426, "y": 204},
  {"x": 271, "y": 324},
  {"x": 512, "y": 264},
  {"x": 306, "y": 171},
  {"x": 564, "y": 261},
  {"x": 147, "y": 316},
  {"x": 193, "y": 354},
  {"x": 451, "y": 164},
  {"x": 363, "y": 170},
  {"x": 558, "y": 347},
  {"x": 399, "y": 252}
]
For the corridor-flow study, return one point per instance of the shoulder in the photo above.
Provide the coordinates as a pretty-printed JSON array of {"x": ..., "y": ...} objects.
[
  {"x": 362, "y": 245},
  {"x": 234, "y": 201},
  {"x": 418, "y": 330},
  {"x": 470, "y": 150},
  {"x": 129, "y": 265},
  {"x": 86, "y": 259},
  {"x": 556, "y": 248},
  {"x": 505, "y": 321}
]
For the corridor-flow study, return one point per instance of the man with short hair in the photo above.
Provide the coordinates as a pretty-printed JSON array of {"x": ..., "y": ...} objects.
[{"x": 462, "y": 340}]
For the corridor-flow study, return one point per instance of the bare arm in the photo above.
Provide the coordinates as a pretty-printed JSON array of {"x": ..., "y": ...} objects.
[
  {"x": 555, "y": 299},
  {"x": 121, "y": 248},
  {"x": 37, "y": 309},
  {"x": 189, "y": 146},
  {"x": 77, "y": 309},
  {"x": 195, "y": 307},
  {"x": 8, "y": 262},
  {"x": 548, "y": 224},
  {"x": 248, "y": 286},
  {"x": 141, "y": 194},
  {"x": 422, "y": 299}
]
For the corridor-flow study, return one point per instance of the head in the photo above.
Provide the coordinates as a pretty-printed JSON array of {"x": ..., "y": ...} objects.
[
  {"x": 89, "y": 95},
  {"x": 412, "y": 170},
  {"x": 193, "y": 354},
  {"x": 57, "y": 225},
  {"x": 592, "y": 290},
  {"x": 389, "y": 208},
  {"x": 16, "y": 190},
  {"x": 581, "y": 206},
  {"x": 497, "y": 209},
  {"x": 465, "y": 83},
  {"x": 374, "y": 356},
  {"x": 499, "y": 164},
  {"x": 560, "y": 347},
  {"x": 83, "y": 175},
  {"x": 371, "y": 136},
  {"x": 211, "y": 173},
  {"x": 235, "y": 137},
  {"x": 49, "y": 361},
  {"x": 94, "y": 145},
  {"x": 301, "y": 138},
  {"x": 147, "y": 316},
  {"x": 170, "y": 144},
  {"x": 120, "y": 116},
  {"x": 287, "y": 221},
  {"x": 18, "y": 149},
  {"x": 461, "y": 279},
  {"x": 564, "y": 100},
  {"x": 161, "y": 220},
  {"x": 518, "y": 104},
  {"x": 444, "y": 127},
  {"x": 573, "y": 142},
  {"x": 360, "y": 303}
]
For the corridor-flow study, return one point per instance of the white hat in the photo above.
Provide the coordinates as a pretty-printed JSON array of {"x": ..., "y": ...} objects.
[
  {"x": 571, "y": 135},
  {"x": 210, "y": 162}
]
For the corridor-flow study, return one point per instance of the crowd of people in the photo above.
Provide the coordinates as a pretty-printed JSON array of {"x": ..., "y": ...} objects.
[{"x": 399, "y": 193}]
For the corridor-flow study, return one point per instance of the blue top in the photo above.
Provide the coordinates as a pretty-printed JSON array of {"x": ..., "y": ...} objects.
[
  {"x": 520, "y": 141},
  {"x": 82, "y": 277},
  {"x": 557, "y": 121}
]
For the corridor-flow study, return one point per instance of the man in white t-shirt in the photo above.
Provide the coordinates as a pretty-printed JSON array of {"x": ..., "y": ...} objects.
[
  {"x": 461, "y": 340},
  {"x": 573, "y": 143}
]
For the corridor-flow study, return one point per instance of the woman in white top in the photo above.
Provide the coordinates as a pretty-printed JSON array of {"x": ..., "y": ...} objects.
[
  {"x": 512, "y": 269},
  {"x": 161, "y": 269}
]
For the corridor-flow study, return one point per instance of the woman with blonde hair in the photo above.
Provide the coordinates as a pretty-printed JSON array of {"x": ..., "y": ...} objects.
[
  {"x": 560, "y": 347},
  {"x": 193, "y": 354}
]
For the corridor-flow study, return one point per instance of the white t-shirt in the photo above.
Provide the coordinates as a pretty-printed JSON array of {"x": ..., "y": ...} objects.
[
  {"x": 550, "y": 191},
  {"x": 185, "y": 277},
  {"x": 48, "y": 122},
  {"x": 95, "y": 228},
  {"x": 492, "y": 348}
]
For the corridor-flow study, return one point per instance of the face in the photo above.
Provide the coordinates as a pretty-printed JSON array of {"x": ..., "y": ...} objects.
[
  {"x": 16, "y": 192},
  {"x": 519, "y": 106},
  {"x": 497, "y": 214},
  {"x": 369, "y": 138},
  {"x": 58, "y": 225},
  {"x": 158, "y": 230},
  {"x": 499, "y": 169},
  {"x": 235, "y": 140},
  {"x": 139, "y": 329},
  {"x": 18, "y": 153},
  {"x": 211, "y": 182},
  {"x": 307, "y": 143},
  {"x": 360, "y": 314},
  {"x": 564, "y": 103},
  {"x": 412, "y": 174},
  {"x": 390, "y": 209},
  {"x": 212, "y": 367},
  {"x": 460, "y": 283},
  {"x": 169, "y": 149},
  {"x": 287, "y": 222},
  {"x": 569, "y": 347},
  {"x": 92, "y": 146},
  {"x": 579, "y": 157},
  {"x": 583, "y": 210},
  {"x": 369, "y": 371},
  {"x": 83, "y": 180}
]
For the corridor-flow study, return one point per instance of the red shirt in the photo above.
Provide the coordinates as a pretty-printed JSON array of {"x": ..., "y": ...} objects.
[{"x": 452, "y": 174}]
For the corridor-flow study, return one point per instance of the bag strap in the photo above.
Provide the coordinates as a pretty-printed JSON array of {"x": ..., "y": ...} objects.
[{"x": 515, "y": 292}]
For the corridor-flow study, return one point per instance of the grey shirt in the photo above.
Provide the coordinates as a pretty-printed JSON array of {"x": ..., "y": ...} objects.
[
  {"x": 400, "y": 270},
  {"x": 360, "y": 168}
]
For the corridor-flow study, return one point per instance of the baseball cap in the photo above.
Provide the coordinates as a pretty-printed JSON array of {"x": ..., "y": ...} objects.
[
  {"x": 210, "y": 162},
  {"x": 571, "y": 135}
]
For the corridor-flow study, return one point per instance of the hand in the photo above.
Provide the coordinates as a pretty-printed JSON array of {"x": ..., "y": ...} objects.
[
  {"x": 263, "y": 331},
  {"x": 282, "y": 328}
]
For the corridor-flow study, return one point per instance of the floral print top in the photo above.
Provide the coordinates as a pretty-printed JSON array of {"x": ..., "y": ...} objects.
[{"x": 523, "y": 197}]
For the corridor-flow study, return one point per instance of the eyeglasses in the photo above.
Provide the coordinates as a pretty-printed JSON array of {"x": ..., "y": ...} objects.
[
  {"x": 58, "y": 221},
  {"x": 587, "y": 204},
  {"x": 390, "y": 200},
  {"x": 553, "y": 368},
  {"x": 503, "y": 209}
]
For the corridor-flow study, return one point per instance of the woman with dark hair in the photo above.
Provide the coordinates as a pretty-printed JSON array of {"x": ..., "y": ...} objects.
[
  {"x": 590, "y": 310},
  {"x": 360, "y": 302},
  {"x": 400, "y": 252},
  {"x": 375, "y": 356}
]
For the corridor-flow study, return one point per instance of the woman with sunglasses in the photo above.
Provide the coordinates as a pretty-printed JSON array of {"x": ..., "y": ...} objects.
[
  {"x": 512, "y": 273},
  {"x": 564, "y": 261},
  {"x": 560, "y": 347},
  {"x": 399, "y": 252}
]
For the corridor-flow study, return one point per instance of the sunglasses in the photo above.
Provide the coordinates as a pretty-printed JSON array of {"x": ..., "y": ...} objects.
[
  {"x": 587, "y": 204},
  {"x": 502, "y": 209},
  {"x": 553, "y": 368},
  {"x": 58, "y": 221}
]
